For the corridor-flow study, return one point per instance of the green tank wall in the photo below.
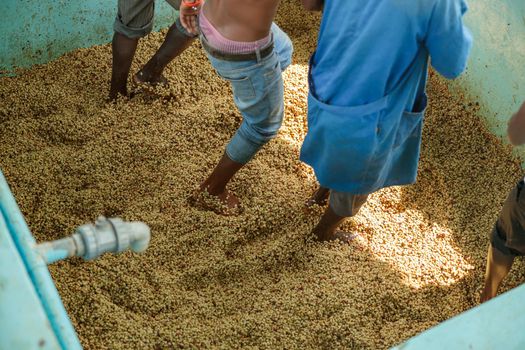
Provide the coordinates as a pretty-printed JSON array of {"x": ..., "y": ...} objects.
[
  {"x": 39, "y": 31},
  {"x": 496, "y": 70},
  {"x": 495, "y": 325}
]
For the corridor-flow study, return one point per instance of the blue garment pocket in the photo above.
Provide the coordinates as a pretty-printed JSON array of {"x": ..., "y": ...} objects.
[
  {"x": 273, "y": 74},
  {"x": 242, "y": 86},
  {"x": 339, "y": 144},
  {"x": 411, "y": 122}
]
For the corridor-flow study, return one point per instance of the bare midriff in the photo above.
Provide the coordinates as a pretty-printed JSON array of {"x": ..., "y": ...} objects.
[
  {"x": 241, "y": 20},
  {"x": 216, "y": 40}
]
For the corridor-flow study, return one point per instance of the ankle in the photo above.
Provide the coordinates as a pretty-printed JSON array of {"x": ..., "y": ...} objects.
[
  {"x": 152, "y": 69},
  {"x": 323, "y": 233},
  {"x": 486, "y": 294},
  {"x": 114, "y": 94},
  {"x": 212, "y": 189}
]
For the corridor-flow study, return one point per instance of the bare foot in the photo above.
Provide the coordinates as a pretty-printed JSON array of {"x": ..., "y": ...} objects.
[
  {"x": 344, "y": 237},
  {"x": 319, "y": 197},
  {"x": 225, "y": 203},
  {"x": 113, "y": 97},
  {"x": 486, "y": 295},
  {"x": 142, "y": 78}
]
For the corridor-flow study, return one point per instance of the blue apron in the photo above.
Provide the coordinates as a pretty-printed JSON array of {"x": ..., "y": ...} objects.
[{"x": 360, "y": 149}]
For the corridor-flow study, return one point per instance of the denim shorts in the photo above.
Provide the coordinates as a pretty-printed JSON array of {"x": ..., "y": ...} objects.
[
  {"x": 258, "y": 93},
  {"x": 135, "y": 18}
]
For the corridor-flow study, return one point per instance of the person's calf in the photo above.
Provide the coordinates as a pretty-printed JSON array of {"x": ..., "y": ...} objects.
[
  {"x": 341, "y": 206},
  {"x": 123, "y": 50},
  {"x": 212, "y": 193},
  {"x": 498, "y": 266},
  {"x": 326, "y": 229},
  {"x": 174, "y": 44}
]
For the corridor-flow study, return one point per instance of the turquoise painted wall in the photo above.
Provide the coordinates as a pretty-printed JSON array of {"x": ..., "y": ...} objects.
[
  {"x": 32, "y": 315},
  {"x": 495, "y": 325},
  {"x": 21, "y": 312},
  {"x": 38, "y": 31},
  {"x": 496, "y": 70}
]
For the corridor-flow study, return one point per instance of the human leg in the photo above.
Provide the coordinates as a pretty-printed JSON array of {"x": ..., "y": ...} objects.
[
  {"x": 319, "y": 197},
  {"x": 258, "y": 94},
  {"x": 134, "y": 20},
  {"x": 341, "y": 206},
  {"x": 498, "y": 267},
  {"x": 215, "y": 183},
  {"x": 507, "y": 240},
  {"x": 123, "y": 50},
  {"x": 177, "y": 40}
]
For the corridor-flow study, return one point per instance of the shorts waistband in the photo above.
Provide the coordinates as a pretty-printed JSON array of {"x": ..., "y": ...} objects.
[{"x": 257, "y": 55}]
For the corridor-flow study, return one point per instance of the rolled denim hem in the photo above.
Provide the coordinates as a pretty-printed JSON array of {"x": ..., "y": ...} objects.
[{"x": 242, "y": 150}]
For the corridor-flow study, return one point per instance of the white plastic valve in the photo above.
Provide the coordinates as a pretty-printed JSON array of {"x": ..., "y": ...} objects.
[{"x": 92, "y": 240}]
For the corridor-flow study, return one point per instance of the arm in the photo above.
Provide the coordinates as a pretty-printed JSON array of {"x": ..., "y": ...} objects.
[
  {"x": 313, "y": 5},
  {"x": 188, "y": 11},
  {"x": 448, "y": 40},
  {"x": 516, "y": 127}
]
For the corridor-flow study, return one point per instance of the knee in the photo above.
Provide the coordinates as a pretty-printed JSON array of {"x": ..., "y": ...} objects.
[
  {"x": 123, "y": 46},
  {"x": 269, "y": 128},
  {"x": 261, "y": 133}
]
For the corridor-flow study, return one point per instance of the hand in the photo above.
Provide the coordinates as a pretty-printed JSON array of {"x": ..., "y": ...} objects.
[
  {"x": 313, "y": 5},
  {"x": 188, "y": 15},
  {"x": 516, "y": 127}
]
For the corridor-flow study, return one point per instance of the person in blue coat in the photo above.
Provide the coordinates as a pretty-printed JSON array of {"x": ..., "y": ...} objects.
[{"x": 367, "y": 95}]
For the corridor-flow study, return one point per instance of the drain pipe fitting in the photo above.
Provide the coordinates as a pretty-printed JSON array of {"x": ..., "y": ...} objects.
[{"x": 92, "y": 240}]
